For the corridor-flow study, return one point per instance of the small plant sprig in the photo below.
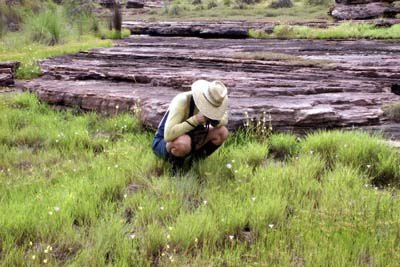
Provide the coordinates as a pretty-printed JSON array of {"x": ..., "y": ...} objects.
[{"x": 259, "y": 127}]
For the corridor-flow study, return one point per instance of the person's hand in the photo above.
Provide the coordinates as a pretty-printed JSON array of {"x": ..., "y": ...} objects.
[{"x": 201, "y": 119}]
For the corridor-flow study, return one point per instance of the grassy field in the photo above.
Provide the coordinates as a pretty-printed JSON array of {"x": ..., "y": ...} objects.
[
  {"x": 85, "y": 190},
  {"x": 46, "y": 29},
  {"x": 238, "y": 10},
  {"x": 347, "y": 30}
]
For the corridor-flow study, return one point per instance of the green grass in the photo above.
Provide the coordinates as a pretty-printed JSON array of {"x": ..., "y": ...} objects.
[
  {"x": 236, "y": 10},
  {"x": 87, "y": 190},
  {"x": 392, "y": 111},
  {"x": 346, "y": 30},
  {"x": 13, "y": 48}
]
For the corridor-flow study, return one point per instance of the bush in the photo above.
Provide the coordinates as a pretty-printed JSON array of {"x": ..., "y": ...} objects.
[
  {"x": 46, "y": 27},
  {"x": 281, "y": 4},
  {"x": 283, "y": 146},
  {"x": 393, "y": 111},
  {"x": 319, "y": 2}
]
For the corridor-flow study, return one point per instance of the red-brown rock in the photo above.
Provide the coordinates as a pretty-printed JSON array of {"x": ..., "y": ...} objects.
[
  {"x": 302, "y": 84},
  {"x": 7, "y": 72}
]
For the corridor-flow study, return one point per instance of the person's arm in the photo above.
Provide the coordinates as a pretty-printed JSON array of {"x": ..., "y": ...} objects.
[
  {"x": 224, "y": 120},
  {"x": 177, "y": 124}
]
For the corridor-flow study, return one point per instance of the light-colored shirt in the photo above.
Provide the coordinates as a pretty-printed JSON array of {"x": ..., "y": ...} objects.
[{"x": 178, "y": 122}]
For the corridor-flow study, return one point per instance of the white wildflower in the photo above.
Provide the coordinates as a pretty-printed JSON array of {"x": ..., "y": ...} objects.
[
  {"x": 271, "y": 225},
  {"x": 45, "y": 261},
  {"x": 368, "y": 166},
  {"x": 125, "y": 195},
  {"x": 161, "y": 208},
  {"x": 231, "y": 237},
  {"x": 229, "y": 166},
  {"x": 50, "y": 213},
  {"x": 132, "y": 236},
  {"x": 253, "y": 198},
  {"x": 33, "y": 257},
  {"x": 205, "y": 202},
  {"x": 57, "y": 209}
]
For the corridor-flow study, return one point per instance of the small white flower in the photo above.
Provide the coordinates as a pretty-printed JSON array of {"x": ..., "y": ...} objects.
[
  {"x": 140, "y": 207},
  {"x": 116, "y": 107},
  {"x": 57, "y": 209},
  {"x": 30, "y": 243},
  {"x": 368, "y": 166},
  {"x": 229, "y": 166},
  {"x": 132, "y": 236},
  {"x": 33, "y": 257},
  {"x": 253, "y": 198},
  {"x": 271, "y": 225},
  {"x": 170, "y": 228},
  {"x": 233, "y": 161},
  {"x": 231, "y": 237},
  {"x": 161, "y": 208},
  {"x": 50, "y": 213},
  {"x": 366, "y": 185},
  {"x": 205, "y": 202},
  {"x": 311, "y": 152},
  {"x": 45, "y": 261},
  {"x": 125, "y": 195},
  {"x": 196, "y": 240},
  {"x": 46, "y": 251},
  {"x": 236, "y": 171},
  {"x": 116, "y": 165},
  {"x": 167, "y": 246},
  {"x": 168, "y": 236}
]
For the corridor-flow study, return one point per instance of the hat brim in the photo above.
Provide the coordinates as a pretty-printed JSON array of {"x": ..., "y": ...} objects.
[{"x": 205, "y": 107}]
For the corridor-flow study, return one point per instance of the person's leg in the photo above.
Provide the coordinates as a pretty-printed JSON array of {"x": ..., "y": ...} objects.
[
  {"x": 215, "y": 138},
  {"x": 180, "y": 147}
]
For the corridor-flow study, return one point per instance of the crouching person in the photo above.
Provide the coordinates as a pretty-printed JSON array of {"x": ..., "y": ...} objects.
[{"x": 194, "y": 125}]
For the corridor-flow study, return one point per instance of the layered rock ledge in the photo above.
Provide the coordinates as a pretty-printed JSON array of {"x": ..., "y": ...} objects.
[
  {"x": 7, "y": 72},
  {"x": 303, "y": 84}
]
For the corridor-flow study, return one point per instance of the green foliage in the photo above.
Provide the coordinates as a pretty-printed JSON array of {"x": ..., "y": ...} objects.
[
  {"x": 87, "y": 190},
  {"x": 393, "y": 111},
  {"x": 283, "y": 146},
  {"x": 45, "y": 27},
  {"x": 343, "y": 31}
]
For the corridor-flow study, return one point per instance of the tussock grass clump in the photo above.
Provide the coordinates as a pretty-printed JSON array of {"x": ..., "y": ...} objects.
[
  {"x": 283, "y": 146},
  {"x": 393, "y": 111},
  {"x": 63, "y": 202}
]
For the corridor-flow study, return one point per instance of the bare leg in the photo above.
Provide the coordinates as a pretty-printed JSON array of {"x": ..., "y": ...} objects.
[
  {"x": 217, "y": 136},
  {"x": 181, "y": 146}
]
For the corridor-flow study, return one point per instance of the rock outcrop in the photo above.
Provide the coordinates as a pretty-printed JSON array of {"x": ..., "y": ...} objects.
[
  {"x": 135, "y": 4},
  {"x": 302, "y": 84},
  {"x": 364, "y": 9},
  {"x": 7, "y": 73},
  {"x": 109, "y": 3}
]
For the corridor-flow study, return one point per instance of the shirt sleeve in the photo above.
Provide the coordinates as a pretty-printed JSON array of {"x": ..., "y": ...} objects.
[{"x": 177, "y": 122}]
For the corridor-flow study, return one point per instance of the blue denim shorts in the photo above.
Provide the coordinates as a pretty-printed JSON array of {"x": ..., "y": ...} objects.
[{"x": 160, "y": 147}]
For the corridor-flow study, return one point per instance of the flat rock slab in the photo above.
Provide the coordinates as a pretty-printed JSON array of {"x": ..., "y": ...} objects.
[
  {"x": 7, "y": 72},
  {"x": 227, "y": 29},
  {"x": 302, "y": 84}
]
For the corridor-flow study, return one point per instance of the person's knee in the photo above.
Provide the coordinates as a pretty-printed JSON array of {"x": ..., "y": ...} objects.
[
  {"x": 181, "y": 146},
  {"x": 220, "y": 135}
]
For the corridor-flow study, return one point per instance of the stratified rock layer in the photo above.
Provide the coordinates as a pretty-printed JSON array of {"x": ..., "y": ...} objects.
[
  {"x": 302, "y": 84},
  {"x": 7, "y": 72},
  {"x": 364, "y": 9}
]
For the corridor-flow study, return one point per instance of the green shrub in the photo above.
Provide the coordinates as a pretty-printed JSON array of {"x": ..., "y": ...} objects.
[
  {"x": 283, "y": 146},
  {"x": 392, "y": 111},
  {"x": 281, "y": 4},
  {"x": 47, "y": 27},
  {"x": 319, "y": 2}
]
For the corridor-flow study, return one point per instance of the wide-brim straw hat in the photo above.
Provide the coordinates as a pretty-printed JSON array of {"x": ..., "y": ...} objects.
[{"x": 211, "y": 98}]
